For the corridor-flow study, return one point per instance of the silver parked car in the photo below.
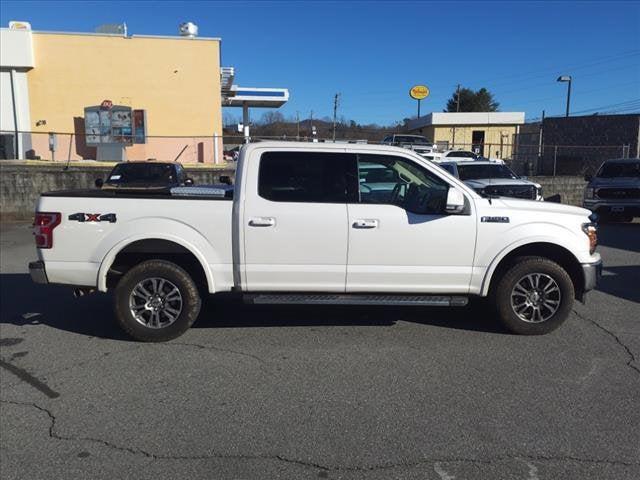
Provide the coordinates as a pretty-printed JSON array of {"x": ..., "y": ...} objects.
[{"x": 493, "y": 178}]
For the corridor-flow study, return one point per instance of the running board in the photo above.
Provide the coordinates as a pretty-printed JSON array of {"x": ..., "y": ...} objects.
[{"x": 356, "y": 299}]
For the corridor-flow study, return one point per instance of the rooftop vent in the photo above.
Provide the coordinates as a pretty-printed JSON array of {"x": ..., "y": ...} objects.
[
  {"x": 113, "y": 29},
  {"x": 188, "y": 29}
]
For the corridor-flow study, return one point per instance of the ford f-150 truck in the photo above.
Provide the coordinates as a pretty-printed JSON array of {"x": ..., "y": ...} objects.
[{"x": 318, "y": 224}]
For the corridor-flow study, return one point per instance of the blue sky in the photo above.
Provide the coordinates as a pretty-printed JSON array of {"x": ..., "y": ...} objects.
[{"x": 373, "y": 52}]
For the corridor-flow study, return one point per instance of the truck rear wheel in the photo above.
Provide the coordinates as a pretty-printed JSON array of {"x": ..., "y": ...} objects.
[
  {"x": 534, "y": 296},
  {"x": 156, "y": 301}
]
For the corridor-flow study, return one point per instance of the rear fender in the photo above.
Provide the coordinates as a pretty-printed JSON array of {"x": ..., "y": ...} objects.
[{"x": 181, "y": 234}]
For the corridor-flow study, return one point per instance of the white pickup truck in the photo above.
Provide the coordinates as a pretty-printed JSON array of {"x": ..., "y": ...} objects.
[{"x": 319, "y": 224}]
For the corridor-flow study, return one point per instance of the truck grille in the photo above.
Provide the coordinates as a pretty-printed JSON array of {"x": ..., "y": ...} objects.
[
  {"x": 618, "y": 193},
  {"x": 516, "y": 191}
]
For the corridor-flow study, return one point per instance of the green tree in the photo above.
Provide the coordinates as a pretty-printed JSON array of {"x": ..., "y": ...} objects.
[{"x": 473, "y": 101}]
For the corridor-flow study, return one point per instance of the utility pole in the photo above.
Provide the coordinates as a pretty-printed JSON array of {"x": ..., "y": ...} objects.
[
  {"x": 453, "y": 139},
  {"x": 297, "y": 125},
  {"x": 313, "y": 129},
  {"x": 335, "y": 112}
]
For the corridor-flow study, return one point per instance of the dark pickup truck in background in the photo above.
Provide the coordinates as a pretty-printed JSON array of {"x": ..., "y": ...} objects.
[
  {"x": 614, "y": 191},
  {"x": 145, "y": 176}
]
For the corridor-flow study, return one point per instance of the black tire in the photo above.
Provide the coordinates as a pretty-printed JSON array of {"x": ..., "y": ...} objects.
[
  {"x": 176, "y": 278},
  {"x": 517, "y": 272}
]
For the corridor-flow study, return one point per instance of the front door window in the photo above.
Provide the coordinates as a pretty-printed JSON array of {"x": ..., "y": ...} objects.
[{"x": 386, "y": 179}]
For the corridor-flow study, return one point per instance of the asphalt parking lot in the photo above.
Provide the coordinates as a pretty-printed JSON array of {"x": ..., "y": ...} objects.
[{"x": 306, "y": 393}]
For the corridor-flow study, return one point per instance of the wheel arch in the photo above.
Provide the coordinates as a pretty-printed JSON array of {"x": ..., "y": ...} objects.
[
  {"x": 132, "y": 251},
  {"x": 557, "y": 253}
]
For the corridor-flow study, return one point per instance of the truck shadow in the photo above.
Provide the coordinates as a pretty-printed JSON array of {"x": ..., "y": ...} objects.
[
  {"x": 25, "y": 303},
  {"x": 226, "y": 313},
  {"x": 619, "y": 281}
]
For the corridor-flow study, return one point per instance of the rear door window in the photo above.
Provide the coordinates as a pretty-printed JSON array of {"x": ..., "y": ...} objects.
[{"x": 306, "y": 177}]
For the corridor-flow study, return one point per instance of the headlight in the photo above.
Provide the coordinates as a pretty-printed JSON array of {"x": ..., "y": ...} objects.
[
  {"x": 591, "y": 230},
  {"x": 588, "y": 192}
]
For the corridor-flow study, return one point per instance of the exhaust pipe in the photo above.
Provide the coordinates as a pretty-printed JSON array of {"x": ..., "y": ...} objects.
[{"x": 81, "y": 292}]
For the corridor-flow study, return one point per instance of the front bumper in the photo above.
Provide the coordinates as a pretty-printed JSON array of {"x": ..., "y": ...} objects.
[
  {"x": 592, "y": 273},
  {"x": 613, "y": 207},
  {"x": 38, "y": 272}
]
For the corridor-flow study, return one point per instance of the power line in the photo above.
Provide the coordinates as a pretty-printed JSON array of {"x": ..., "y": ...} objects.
[
  {"x": 603, "y": 60},
  {"x": 633, "y": 103}
]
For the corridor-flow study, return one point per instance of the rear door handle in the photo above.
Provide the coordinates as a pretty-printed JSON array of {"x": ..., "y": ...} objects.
[
  {"x": 365, "y": 223},
  {"x": 262, "y": 222}
]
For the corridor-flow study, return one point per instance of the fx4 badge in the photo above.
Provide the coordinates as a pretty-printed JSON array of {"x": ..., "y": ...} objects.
[
  {"x": 93, "y": 217},
  {"x": 495, "y": 219}
]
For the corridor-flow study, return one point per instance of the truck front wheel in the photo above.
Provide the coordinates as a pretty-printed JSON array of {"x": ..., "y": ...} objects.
[
  {"x": 156, "y": 301},
  {"x": 534, "y": 296}
]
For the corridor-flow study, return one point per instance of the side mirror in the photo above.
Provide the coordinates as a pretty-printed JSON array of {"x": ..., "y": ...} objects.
[
  {"x": 588, "y": 177},
  {"x": 98, "y": 183},
  {"x": 188, "y": 182},
  {"x": 455, "y": 201},
  {"x": 226, "y": 179}
]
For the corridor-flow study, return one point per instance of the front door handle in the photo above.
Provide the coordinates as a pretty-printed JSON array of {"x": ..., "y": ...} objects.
[
  {"x": 262, "y": 222},
  {"x": 365, "y": 223}
]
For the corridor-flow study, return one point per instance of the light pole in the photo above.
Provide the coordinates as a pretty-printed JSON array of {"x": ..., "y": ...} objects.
[{"x": 566, "y": 78}]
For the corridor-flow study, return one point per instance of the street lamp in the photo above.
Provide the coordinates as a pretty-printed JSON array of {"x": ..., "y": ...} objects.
[{"x": 566, "y": 78}]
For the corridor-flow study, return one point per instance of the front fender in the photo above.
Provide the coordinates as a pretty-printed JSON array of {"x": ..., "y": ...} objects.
[
  {"x": 520, "y": 236},
  {"x": 155, "y": 228}
]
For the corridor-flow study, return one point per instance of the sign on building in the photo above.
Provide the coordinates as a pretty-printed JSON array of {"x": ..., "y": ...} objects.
[{"x": 109, "y": 124}]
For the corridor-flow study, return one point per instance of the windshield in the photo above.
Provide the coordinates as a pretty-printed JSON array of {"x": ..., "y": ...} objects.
[
  {"x": 473, "y": 172},
  {"x": 146, "y": 173},
  {"x": 619, "y": 169},
  {"x": 410, "y": 139}
]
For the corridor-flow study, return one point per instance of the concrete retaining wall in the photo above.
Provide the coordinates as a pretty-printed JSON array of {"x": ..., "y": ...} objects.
[
  {"x": 570, "y": 189},
  {"x": 21, "y": 184}
]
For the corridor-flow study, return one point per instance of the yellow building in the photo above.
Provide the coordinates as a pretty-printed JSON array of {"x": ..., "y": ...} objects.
[
  {"x": 490, "y": 134},
  {"x": 173, "y": 81}
]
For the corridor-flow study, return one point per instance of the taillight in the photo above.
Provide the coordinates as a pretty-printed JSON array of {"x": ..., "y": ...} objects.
[{"x": 43, "y": 226}]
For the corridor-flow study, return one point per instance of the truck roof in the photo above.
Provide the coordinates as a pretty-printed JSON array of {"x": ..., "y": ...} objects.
[{"x": 324, "y": 146}]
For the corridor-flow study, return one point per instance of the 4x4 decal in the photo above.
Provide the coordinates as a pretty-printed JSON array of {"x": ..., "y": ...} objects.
[{"x": 93, "y": 217}]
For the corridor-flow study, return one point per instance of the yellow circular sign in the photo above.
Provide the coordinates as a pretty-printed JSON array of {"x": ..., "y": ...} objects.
[{"x": 419, "y": 92}]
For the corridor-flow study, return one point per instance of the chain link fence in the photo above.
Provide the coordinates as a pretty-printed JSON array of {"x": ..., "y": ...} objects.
[
  {"x": 523, "y": 158},
  {"x": 71, "y": 147},
  {"x": 564, "y": 160}
]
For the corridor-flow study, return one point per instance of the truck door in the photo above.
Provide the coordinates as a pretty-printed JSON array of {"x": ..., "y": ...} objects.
[
  {"x": 295, "y": 222},
  {"x": 400, "y": 239}
]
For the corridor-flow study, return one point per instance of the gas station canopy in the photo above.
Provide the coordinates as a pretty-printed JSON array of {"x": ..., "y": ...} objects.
[{"x": 237, "y": 96}]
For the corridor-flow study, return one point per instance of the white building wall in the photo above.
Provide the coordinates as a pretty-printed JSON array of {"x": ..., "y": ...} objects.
[
  {"x": 21, "y": 95},
  {"x": 16, "y": 58}
]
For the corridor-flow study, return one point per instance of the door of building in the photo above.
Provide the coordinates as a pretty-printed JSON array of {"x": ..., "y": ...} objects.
[{"x": 477, "y": 140}]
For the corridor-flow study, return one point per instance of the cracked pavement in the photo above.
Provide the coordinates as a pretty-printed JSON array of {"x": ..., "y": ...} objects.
[{"x": 331, "y": 392}]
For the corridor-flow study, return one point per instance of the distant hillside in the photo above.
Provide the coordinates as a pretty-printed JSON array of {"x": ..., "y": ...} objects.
[{"x": 275, "y": 125}]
